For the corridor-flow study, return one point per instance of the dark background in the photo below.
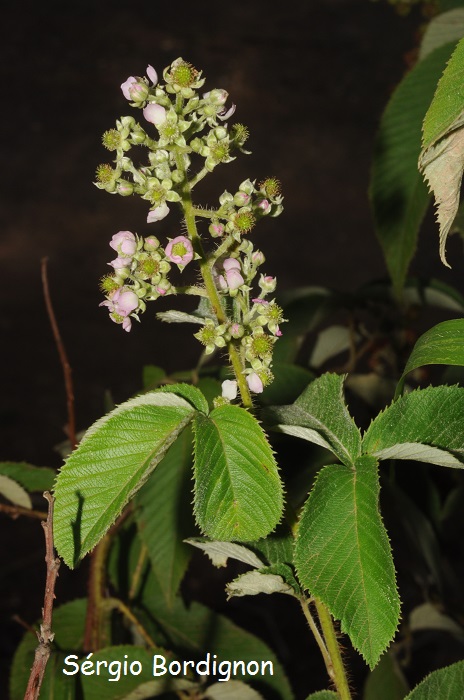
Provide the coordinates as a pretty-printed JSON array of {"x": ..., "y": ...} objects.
[{"x": 310, "y": 79}]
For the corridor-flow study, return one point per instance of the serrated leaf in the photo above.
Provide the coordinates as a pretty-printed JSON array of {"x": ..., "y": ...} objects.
[
  {"x": 32, "y": 478},
  {"x": 442, "y": 344},
  {"x": 445, "y": 27},
  {"x": 424, "y": 425},
  {"x": 220, "y": 552},
  {"x": 320, "y": 415},
  {"x": 164, "y": 515},
  {"x": 343, "y": 556},
  {"x": 190, "y": 393},
  {"x": 276, "y": 579},
  {"x": 13, "y": 492},
  {"x": 442, "y": 157},
  {"x": 238, "y": 492},
  {"x": 323, "y": 695},
  {"x": 446, "y": 684},
  {"x": 114, "y": 459},
  {"x": 386, "y": 681},
  {"x": 398, "y": 195}
]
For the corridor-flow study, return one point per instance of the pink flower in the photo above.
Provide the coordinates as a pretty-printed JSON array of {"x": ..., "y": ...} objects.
[
  {"x": 134, "y": 89},
  {"x": 155, "y": 114},
  {"x": 254, "y": 383},
  {"x": 127, "y": 85},
  {"x": 118, "y": 263},
  {"x": 278, "y": 332},
  {"x": 233, "y": 278},
  {"x": 125, "y": 301},
  {"x": 152, "y": 74},
  {"x": 158, "y": 213},
  {"x": 122, "y": 302},
  {"x": 179, "y": 250},
  {"x": 124, "y": 243}
]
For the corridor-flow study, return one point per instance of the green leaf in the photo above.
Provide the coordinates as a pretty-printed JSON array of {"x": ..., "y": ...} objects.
[
  {"x": 190, "y": 393},
  {"x": 442, "y": 344},
  {"x": 13, "y": 492},
  {"x": 320, "y": 415},
  {"x": 68, "y": 627},
  {"x": 445, "y": 27},
  {"x": 343, "y": 556},
  {"x": 114, "y": 459},
  {"x": 164, "y": 515},
  {"x": 424, "y": 425},
  {"x": 442, "y": 157},
  {"x": 238, "y": 492},
  {"x": 446, "y": 684},
  {"x": 277, "y": 548},
  {"x": 398, "y": 195},
  {"x": 97, "y": 687},
  {"x": 31, "y": 478},
  {"x": 386, "y": 681},
  {"x": 323, "y": 695}
]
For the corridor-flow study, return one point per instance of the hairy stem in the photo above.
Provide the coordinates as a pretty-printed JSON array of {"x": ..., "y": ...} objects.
[
  {"x": 206, "y": 269},
  {"x": 335, "y": 669}
]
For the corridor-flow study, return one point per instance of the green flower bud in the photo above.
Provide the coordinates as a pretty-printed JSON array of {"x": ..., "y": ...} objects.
[{"x": 124, "y": 188}]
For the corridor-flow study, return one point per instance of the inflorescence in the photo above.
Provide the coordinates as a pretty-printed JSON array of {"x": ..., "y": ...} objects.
[{"x": 187, "y": 137}]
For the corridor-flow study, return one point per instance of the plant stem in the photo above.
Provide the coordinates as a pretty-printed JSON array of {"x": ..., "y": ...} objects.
[
  {"x": 42, "y": 653},
  {"x": 336, "y": 669},
  {"x": 316, "y": 633},
  {"x": 206, "y": 269}
]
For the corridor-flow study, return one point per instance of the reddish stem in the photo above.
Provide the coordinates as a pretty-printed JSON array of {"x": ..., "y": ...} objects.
[
  {"x": 67, "y": 372},
  {"x": 45, "y": 636}
]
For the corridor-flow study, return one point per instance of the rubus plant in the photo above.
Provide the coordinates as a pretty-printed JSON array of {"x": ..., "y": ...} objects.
[{"x": 124, "y": 494}]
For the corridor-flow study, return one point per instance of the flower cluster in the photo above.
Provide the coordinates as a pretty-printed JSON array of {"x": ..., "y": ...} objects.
[
  {"x": 186, "y": 136},
  {"x": 141, "y": 273}
]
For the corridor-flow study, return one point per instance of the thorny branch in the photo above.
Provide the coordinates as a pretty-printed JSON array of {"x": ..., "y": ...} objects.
[{"x": 45, "y": 635}]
